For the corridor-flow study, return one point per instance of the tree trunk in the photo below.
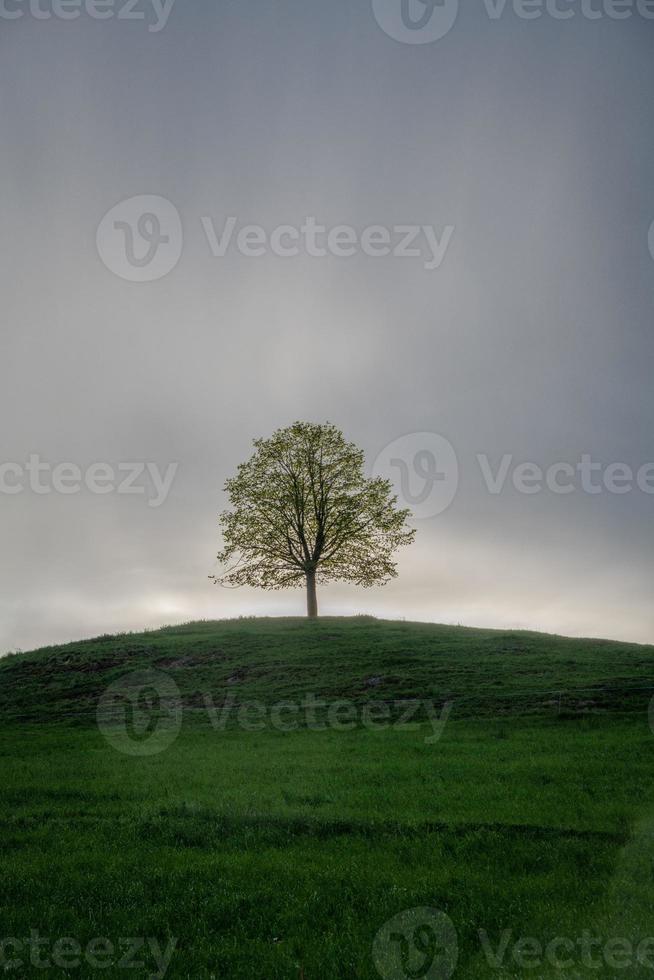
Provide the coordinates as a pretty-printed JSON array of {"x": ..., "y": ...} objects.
[{"x": 312, "y": 601}]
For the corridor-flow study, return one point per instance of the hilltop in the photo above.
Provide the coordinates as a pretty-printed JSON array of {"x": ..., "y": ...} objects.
[{"x": 359, "y": 658}]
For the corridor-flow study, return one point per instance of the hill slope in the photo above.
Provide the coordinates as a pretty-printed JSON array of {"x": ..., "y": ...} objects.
[
  {"x": 360, "y": 658},
  {"x": 287, "y": 854}
]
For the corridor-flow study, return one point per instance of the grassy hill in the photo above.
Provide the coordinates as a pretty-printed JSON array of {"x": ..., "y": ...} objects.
[
  {"x": 360, "y": 658},
  {"x": 286, "y": 854}
]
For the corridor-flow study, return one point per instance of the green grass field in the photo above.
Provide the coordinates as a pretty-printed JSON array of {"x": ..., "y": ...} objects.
[{"x": 282, "y": 854}]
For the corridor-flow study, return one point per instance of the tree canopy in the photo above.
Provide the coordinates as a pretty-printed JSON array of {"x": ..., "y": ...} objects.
[{"x": 302, "y": 511}]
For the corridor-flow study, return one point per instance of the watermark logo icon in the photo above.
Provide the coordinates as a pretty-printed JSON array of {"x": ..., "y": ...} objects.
[
  {"x": 650, "y": 239},
  {"x": 141, "y": 712},
  {"x": 416, "y": 21},
  {"x": 424, "y": 471},
  {"x": 140, "y": 239},
  {"x": 420, "y": 942}
]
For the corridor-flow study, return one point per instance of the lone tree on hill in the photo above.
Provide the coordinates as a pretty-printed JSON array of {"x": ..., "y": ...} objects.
[{"x": 302, "y": 511}]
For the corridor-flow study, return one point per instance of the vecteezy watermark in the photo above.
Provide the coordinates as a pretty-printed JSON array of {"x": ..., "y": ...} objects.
[
  {"x": 420, "y": 942},
  {"x": 146, "y": 954},
  {"x": 528, "y": 953},
  {"x": 140, "y": 239},
  {"x": 424, "y": 470},
  {"x": 650, "y": 239},
  {"x": 141, "y": 712},
  {"x": 153, "y": 12},
  {"x": 318, "y": 714},
  {"x": 416, "y": 21},
  {"x": 316, "y": 240},
  {"x": 586, "y": 474},
  {"x": 41, "y": 477},
  {"x": 426, "y": 21}
]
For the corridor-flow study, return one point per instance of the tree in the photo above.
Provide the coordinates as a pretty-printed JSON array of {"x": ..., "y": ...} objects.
[{"x": 303, "y": 512}]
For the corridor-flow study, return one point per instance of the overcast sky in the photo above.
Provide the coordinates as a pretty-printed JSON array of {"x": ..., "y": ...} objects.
[{"x": 524, "y": 146}]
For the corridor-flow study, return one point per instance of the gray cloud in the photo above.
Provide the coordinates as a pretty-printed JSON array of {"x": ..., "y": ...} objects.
[{"x": 534, "y": 337}]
